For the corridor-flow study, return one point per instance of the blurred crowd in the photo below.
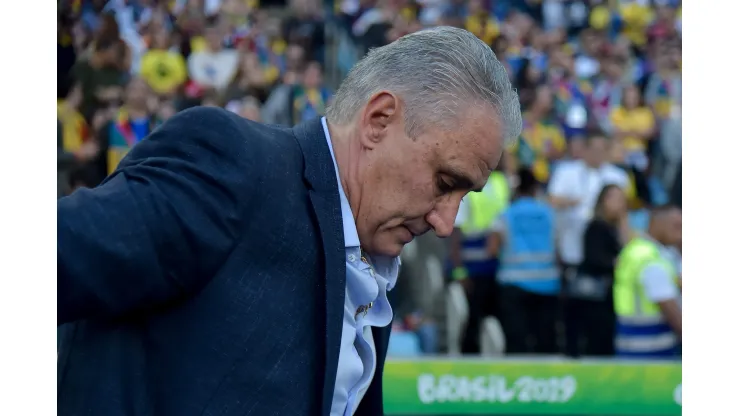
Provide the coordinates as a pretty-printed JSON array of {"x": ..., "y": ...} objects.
[
  {"x": 125, "y": 66},
  {"x": 600, "y": 90}
]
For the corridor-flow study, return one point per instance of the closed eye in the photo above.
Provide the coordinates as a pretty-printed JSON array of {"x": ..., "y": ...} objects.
[{"x": 445, "y": 185}]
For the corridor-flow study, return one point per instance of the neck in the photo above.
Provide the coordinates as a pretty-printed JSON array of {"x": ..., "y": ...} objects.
[
  {"x": 592, "y": 164},
  {"x": 347, "y": 152},
  {"x": 652, "y": 233},
  {"x": 534, "y": 114},
  {"x": 608, "y": 220},
  {"x": 136, "y": 112}
]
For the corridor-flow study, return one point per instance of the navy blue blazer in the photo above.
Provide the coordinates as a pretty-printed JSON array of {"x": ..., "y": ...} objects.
[{"x": 206, "y": 276}]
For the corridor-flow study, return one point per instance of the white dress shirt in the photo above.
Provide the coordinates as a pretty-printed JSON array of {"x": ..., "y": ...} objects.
[
  {"x": 365, "y": 284},
  {"x": 575, "y": 180}
]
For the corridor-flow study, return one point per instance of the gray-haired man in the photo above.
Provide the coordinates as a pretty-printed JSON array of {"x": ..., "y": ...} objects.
[{"x": 233, "y": 268}]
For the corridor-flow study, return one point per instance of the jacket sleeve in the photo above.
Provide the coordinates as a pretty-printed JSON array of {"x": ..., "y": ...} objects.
[{"x": 159, "y": 227}]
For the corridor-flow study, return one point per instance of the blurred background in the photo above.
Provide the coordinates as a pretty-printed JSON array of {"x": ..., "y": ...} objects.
[{"x": 600, "y": 89}]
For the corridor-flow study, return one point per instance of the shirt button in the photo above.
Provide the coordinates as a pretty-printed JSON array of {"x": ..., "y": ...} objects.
[{"x": 351, "y": 258}]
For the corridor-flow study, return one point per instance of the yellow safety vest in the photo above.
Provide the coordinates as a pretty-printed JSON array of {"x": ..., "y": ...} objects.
[
  {"x": 629, "y": 296},
  {"x": 486, "y": 206},
  {"x": 642, "y": 331}
]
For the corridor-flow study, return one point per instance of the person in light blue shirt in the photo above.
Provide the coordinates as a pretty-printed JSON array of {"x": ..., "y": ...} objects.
[{"x": 524, "y": 239}]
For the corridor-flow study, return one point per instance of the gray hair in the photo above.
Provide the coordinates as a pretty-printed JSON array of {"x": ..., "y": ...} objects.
[{"x": 437, "y": 72}]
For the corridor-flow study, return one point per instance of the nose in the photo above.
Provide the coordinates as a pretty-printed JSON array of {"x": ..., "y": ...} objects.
[{"x": 442, "y": 217}]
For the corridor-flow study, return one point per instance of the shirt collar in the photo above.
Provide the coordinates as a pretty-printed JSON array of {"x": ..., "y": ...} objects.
[{"x": 351, "y": 239}]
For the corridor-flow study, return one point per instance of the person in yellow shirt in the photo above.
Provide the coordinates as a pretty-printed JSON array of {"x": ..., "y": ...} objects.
[
  {"x": 634, "y": 125},
  {"x": 542, "y": 141},
  {"x": 480, "y": 23},
  {"x": 636, "y": 17},
  {"x": 75, "y": 129},
  {"x": 162, "y": 69}
]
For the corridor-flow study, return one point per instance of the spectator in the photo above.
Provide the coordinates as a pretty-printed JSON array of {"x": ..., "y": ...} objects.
[
  {"x": 607, "y": 92},
  {"x": 208, "y": 8},
  {"x": 589, "y": 316},
  {"x": 305, "y": 28},
  {"x": 634, "y": 18},
  {"x": 311, "y": 97},
  {"x": 373, "y": 25},
  {"x": 251, "y": 79},
  {"x": 573, "y": 190},
  {"x": 576, "y": 148},
  {"x": 529, "y": 78},
  {"x": 671, "y": 155},
  {"x": 663, "y": 90},
  {"x": 101, "y": 72},
  {"x": 633, "y": 124},
  {"x": 76, "y": 146},
  {"x": 571, "y": 93},
  {"x": 295, "y": 61},
  {"x": 480, "y": 22},
  {"x": 129, "y": 124},
  {"x": 542, "y": 141},
  {"x": 108, "y": 49},
  {"x": 166, "y": 110},
  {"x": 664, "y": 26},
  {"x": 638, "y": 191},
  {"x": 277, "y": 108},
  {"x": 524, "y": 240},
  {"x": 587, "y": 62},
  {"x": 455, "y": 13},
  {"x": 248, "y": 107},
  {"x": 162, "y": 68},
  {"x": 66, "y": 54},
  {"x": 214, "y": 67}
]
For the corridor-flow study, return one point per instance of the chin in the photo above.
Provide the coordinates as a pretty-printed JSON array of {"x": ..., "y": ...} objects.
[{"x": 388, "y": 249}]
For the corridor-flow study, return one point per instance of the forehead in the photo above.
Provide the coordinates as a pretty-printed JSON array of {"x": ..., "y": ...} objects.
[
  {"x": 475, "y": 140},
  {"x": 598, "y": 143}
]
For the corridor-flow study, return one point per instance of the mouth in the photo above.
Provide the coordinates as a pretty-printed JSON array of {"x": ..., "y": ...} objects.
[{"x": 410, "y": 234}]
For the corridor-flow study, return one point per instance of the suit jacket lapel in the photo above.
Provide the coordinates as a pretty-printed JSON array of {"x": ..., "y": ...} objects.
[{"x": 324, "y": 194}]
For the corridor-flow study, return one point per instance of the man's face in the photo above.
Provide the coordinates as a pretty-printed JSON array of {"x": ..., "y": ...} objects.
[
  {"x": 294, "y": 56},
  {"x": 673, "y": 228},
  {"x": 597, "y": 151},
  {"x": 543, "y": 99},
  {"x": 137, "y": 93},
  {"x": 312, "y": 76},
  {"x": 214, "y": 39},
  {"x": 410, "y": 186},
  {"x": 250, "y": 112}
]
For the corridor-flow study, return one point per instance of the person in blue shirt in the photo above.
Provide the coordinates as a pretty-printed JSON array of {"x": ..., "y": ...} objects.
[{"x": 523, "y": 238}]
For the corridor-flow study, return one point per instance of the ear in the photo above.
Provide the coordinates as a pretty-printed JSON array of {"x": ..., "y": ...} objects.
[{"x": 381, "y": 114}]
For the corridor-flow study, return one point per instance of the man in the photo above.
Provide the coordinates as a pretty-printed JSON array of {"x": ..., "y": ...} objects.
[
  {"x": 128, "y": 125},
  {"x": 647, "y": 290},
  {"x": 573, "y": 190},
  {"x": 215, "y": 67},
  {"x": 523, "y": 239},
  {"x": 228, "y": 267},
  {"x": 309, "y": 100}
]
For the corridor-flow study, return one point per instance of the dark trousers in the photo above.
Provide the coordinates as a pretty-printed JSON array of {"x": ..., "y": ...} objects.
[
  {"x": 482, "y": 292},
  {"x": 528, "y": 320},
  {"x": 589, "y": 327}
]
